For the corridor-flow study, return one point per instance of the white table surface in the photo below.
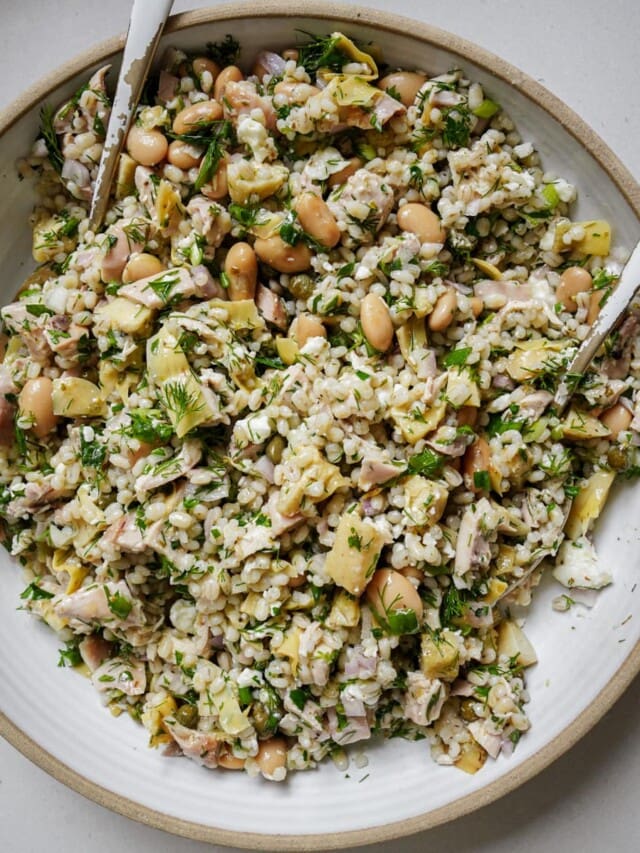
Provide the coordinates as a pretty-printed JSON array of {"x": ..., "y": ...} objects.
[{"x": 585, "y": 51}]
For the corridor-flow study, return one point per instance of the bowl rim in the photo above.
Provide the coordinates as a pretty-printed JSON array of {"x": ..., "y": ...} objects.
[{"x": 340, "y": 13}]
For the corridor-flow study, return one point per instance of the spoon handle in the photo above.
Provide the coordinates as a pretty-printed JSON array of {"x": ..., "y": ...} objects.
[
  {"x": 609, "y": 317},
  {"x": 145, "y": 28}
]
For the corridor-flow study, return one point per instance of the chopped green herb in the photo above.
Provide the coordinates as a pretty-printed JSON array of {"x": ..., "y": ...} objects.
[
  {"x": 265, "y": 361},
  {"x": 224, "y": 52},
  {"x": 37, "y": 310},
  {"x": 118, "y": 604},
  {"x": 481, "y": 480},
  {"x": 498, "y": 424},
  {"x": 427, "y": 462},
  {"x": 92, "y": 453},
  {"x": 51, "y": 137},
  {"x": 299, "y": 697},
  {"x": 457, "y": 357},
  {"x": 147, "y": 426},
  {"x": 321, "y": 52},
  {"x": 486, "y": 109},
  {"x": 245, "y": 696},
  {"x": 453, "y": 605},
  {"x": 178, "y": 400},
  {"x": 35, "y": 593},
  {"x": 164, "y": 284},
  {"x": 355, "y": 540},
  {"x": 70, "y": 655},
  {"x": 222, "y": 135},
  {"x": 245, "y": 214}
]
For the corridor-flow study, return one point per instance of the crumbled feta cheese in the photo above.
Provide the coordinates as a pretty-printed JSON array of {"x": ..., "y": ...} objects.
[{"x": 577, "y": 565}]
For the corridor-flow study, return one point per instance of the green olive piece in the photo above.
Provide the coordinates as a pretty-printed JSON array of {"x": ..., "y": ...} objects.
[
  {"x": 301, "y": 286},
  {"x": 267, "y": 713},
  {"x": 617, "y": 458},
  {"x": 261, "y": 719},
  {"x": 187, "y": 715},
  {"x": 275, "y": 449},
  {"x": 466, "y": 710}
]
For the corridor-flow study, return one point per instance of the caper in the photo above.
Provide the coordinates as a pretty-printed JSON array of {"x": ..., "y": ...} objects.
[
  {"x": 301, "y": 286},
  {"x": 261, "y": 719},
  {"x": 187, "y": 715},
  {"x": 466, "y": 710},
  {"x": 267, "y": 713},
  {"x": 617, "y": 458},
  {"x": 275, "y": 449}
]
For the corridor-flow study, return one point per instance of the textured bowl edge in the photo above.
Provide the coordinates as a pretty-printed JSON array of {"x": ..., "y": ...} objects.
[{"x": 628, "y": 187}]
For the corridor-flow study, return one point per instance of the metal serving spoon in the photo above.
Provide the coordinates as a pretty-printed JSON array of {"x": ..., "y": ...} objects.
[
  {"x": 145, "y": 28},
  {"x": 607, "y": 321}
]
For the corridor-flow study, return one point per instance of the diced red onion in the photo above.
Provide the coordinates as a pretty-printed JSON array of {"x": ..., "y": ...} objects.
[{"x": 272, "y": 63}]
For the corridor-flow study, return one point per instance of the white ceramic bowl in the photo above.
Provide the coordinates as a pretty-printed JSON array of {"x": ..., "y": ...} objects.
[{"x": 55, "y": 718}]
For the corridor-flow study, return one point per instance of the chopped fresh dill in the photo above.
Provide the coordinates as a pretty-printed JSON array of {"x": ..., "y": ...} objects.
[{"x": 50, "y": 137}]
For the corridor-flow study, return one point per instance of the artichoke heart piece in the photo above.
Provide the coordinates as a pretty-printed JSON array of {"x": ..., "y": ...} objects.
[
  {"x": 248, "y": 179},
  {"x": 168, "y": 205},
  {"x": 344, "y": 45},
  {"x": 126, "y": 316},
  {"x": 412, "y": 339},
  {"x": 287, "y": 350},
  {"x": 490, "y": 270},
  {"x": 581, "y": 426},
  {"x": 588, "y": 504},
  {"x": 347, "y": 91},
  {"x": 241, "y": 314},
  {"x": 153, "y": 718},
  {"x": 67, "y": 562},
  {"x": 73, "y": 397},
  {"x": 425, "y": 500},
  {"x": 319, "y": 479},
  {"x": 472, "y": 757},
  {"x": 356, "y": 549},
  {"x": 513, "y": 644},
  {"x": 439, "y": 655},
  {"x": 344, "y": 613},
  {"x": 125, "y": 179},
  {"x": 596, "y": 239},
  {"x": 495, "y": 590},
  {"x": 461, "y": 389},
  {"x": 509, "y": 522},
  {"x": 180, "y": 393},
  {"x": 90, "y": 512},
  {"x": 418, "y": 422},
  {"x": 531, "y": 358},
  {"x": 50, "y": 238},
  {"x": 290, "y": 648},
  {"x": 113, "y": 380},
  {"x": 233, "y": 720}
]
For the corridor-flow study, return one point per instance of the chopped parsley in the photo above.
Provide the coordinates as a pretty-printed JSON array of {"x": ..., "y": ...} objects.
[
  {"x": 457, "y": 357},
  {"x": 427, "y": 462},
  {"x": 499, "y": 424},
  {"x": 299, "y": 696},
  {"x": 118, "y": 604},
  {"x": 92, "y": 453},
  {"x": 70, "y": 655},
  {"x": 481, "y": 480},
  {"x": 34, "y": 592}
]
